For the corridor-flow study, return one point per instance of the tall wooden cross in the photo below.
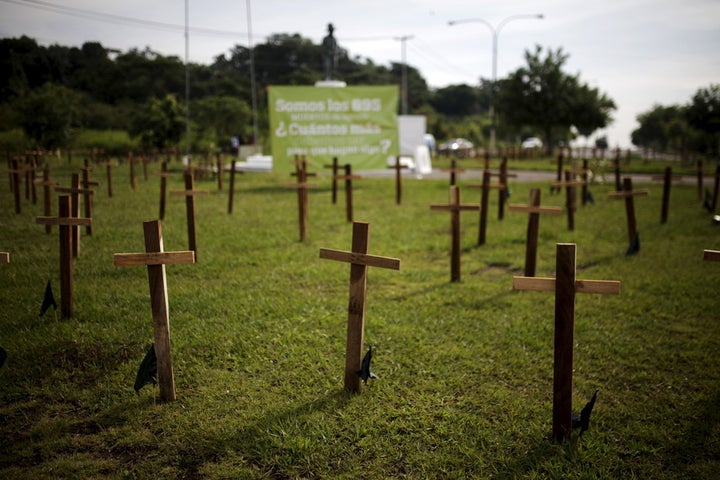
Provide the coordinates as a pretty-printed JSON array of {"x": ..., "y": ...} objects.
[
  {"x": 667, "y": 179},
  {"x": 570, "y": 185},
  {"x": 398, "y": 167},
  {"x": 14, "y": 171},
  {"x": 88, "y": 195},
  {"x": 454, "y": 170},
  {"x": 454, "y": 207},
  {"x": 109, "y": 164},
  {"x": 359, "y": 262},
  {"x": 156, "y": 259},
  {"x": 534, "y": 210},
  {"x": 565, "y": 286},
  {"x": 485, "y": 187},
  {"x": 46, "y": 183},
  {"x": 164, "y": 175},
  {"x": 74, "y": 190},
  {"x": 231, "y": 196},
  {"x": 189, "y": 194},
  {"x": 629, "y": 194},
  {"x": 66, "y": 221}
]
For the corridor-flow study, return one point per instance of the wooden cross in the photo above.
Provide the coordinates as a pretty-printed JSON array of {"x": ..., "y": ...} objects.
[
  {"x": 164, "y": 175},
  {"x": 334, "y": 167},
  {"x": 219, "y": 170},
  {"x": 108, "y": 169},
  {"x": 74, "y": 190},
  {"x": 131, "y": 161},
  {"x": 503, "y": 192},
  {"x": 46, "y": 183},
  {"x": 189, "y": 194},
  {"x": 156, "y": 259},
  {"x": 534, "y": 210},
  {"x": 454, "y": 207},
  {"x": 66, "y": 220},
  {"x": 628, "y": 194},
  {"x": 716, "y": 189},
  {"x": 667, "y": 179},
  {"x": 565, "y": 287},
  {"x": 232, "y": 187},
  {"x": 88, "y": 197},
  {"x": 453, "y": 171},
  {"x": 485, "y": 187},
  {"x": 348, "y": 177},
  {"x": 359, "y": 262},
  {"x": 398, "y": 179},
  {"x": 570, "y": 196},
  {"x": 711, "y": 255},
  {"x": 15, "y": 170}
]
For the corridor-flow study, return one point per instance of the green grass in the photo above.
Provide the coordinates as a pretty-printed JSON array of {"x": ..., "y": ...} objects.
[{"x": 258, "y": 340}]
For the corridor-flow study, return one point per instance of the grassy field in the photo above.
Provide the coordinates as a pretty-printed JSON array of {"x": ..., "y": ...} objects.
[{"x": 258, "y": 339}]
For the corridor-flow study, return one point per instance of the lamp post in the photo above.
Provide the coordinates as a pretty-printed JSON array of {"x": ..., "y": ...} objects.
[
  {"x": 403, "y": 40},
  {"x": 495, "y": 33}
]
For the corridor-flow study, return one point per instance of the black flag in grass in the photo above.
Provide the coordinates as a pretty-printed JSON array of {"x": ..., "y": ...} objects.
[
  {"x": 634, "y": 245},
  {"x": 364, "y": 371},
  {"x": 48, "y": 300},
  {"x": 582, "y": 420},
  {"x": 147, "y": 373}
]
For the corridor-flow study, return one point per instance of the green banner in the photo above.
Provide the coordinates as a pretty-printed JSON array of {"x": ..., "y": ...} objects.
[{"x": 358, "y": 125}]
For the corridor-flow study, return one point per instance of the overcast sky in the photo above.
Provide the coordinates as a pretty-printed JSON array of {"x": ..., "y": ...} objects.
[{"x": 638, "y": 52}]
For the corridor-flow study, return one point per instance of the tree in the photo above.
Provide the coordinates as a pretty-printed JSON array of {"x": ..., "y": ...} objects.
[
  {"x": 221, "y": 118},
  {"x": 159, "y": 123},
  {"x": 49, "y": 115},
  {"x": 545, "y": 98},
  {"x": 703, "y": 113},
  {"x": 456, "y": 100}
]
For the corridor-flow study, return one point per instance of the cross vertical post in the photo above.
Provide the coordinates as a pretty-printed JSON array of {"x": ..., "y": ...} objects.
[
  {"x": 565, "y": 286},
  {"x": 189, "y": 194},
  {"x": 156, "y": 259},
  {"x": 666, "y": 195},
  {"x": 231, "y": 196},
  {"x": 133, "y": 180},
  {"x": 88, "y": 196},
  {"x": 219, "y": 169},
  {"x": 699, "y": 173},
  {"x": 47, "y": 200},
  {"x": 74, "y": 190},
  {"x": 334, "y": 167},
  {"x": 398, "y": 179},
  {"x": 628, "y": 194},
  {"x": 359, "y": 262},
  {"x": 484, "y": 199},
  {"x": 164, "y": 175},
  {"x": 454, "y": 207},
  {"x": 108, "y": 172},
  {"x": 302, "y": 191},
  {"x": 502, "y": 193}
]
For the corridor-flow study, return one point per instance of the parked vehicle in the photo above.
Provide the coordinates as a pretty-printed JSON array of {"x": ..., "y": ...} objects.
[
  {"x": 456, "y": 146},
  {"x": 532, "y": 142}
]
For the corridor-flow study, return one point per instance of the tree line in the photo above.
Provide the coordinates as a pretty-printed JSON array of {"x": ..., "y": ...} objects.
[{"x": 52, "y": 93}]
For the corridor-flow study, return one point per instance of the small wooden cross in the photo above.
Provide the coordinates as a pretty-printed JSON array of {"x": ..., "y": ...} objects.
[
  {"x": 667, "y": 179},
  {"x": 485, "y": 187},
  {"x": 231, "y": 196},
  {"x": 131, "y": 161},
  {"x": 628, "y": 194},
  {"x": 348, "y": 177},
  {"x": 88, "y": 196},
  {"x": 570, "y": 196},
  {"x": 15, "y": 170},
  {"x": 74, "y": 190},
  {"x": 46, "y": 183},
  {"x": 156, "y": 259},
  {"x": 565, "y": 287},
  {"x": 398, "y": 179},
  {"x": 302, "y": 191},
  {"x": 108, "y": 171},
  {"x": 189, "y": 194},
  {"x": 534, "y": 210},
  {"x": 359, "y": 262},
  {"x": 164, "y": 175},
  {"x": 454, "y": 207},
  {"x": 334, "y": 167},
  {"x": 454, "y": 170},
  {"x": 711, "y": 255},
  {"x": 66, "y": 220}
]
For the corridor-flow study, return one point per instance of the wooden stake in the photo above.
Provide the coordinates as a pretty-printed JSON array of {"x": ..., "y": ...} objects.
[
  {"x": 108, "y": 170},
  {"x": 454, "y": 207},
  {"x": 156, "y": 259},
  {"x": 189, "y": 194},
  {"x": 74, "y": 190},
  {"x": 398, "y": 179},
  {"x": 164, "y": 175},
  {"x": 348, "y": 177},
  {"x": 302, "y": 192},
  {"x": 534, "y": 210},
  {"x": 485, "y": 187},
  {"x": 66, "y": 221},
  {"x": 666, "y": 195},
  {"x": 570, "y": 196},
  {"x": 360, "y": 261},
  {"x": 565, "y": 287},
  {"x": 47, "y": 200},
  {"x": 231, "y": 196},
  {"x": 334, "y": 167}
]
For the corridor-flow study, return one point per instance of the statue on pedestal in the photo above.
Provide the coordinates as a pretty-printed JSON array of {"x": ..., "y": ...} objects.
[{"x": 329, "y": 46}]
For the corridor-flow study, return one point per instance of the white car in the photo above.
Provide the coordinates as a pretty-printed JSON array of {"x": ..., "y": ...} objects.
[{"x": 532, "y": 142}]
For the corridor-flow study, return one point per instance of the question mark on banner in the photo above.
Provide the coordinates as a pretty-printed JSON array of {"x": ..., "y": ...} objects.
[{"x": 385, "y": 143}]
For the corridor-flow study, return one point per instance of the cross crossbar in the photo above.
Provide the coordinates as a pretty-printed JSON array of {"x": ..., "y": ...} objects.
[
  {"x": 630, "y": 193},
  {"x": 534, "y": 209},
  {"x": 360, "y": 258},
  {"x": 154, "y": 258},
  {"x": 84, "y": 191},
  {"x": 64, "y": 221},
  {"x": 712, "y": 255},
  {"x": 189, "y": 193},
  {"x": 540, "y": 284}
]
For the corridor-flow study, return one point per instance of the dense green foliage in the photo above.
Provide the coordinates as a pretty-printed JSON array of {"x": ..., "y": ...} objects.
[{"x": 258, "y": 338}]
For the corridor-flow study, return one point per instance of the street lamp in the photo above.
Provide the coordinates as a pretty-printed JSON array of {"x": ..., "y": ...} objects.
[
  {"x": 495, "y": 33},
  {"x": 403, "y": 40}
]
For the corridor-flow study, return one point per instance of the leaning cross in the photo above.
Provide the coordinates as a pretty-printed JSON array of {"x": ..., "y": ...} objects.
[
  {"x": 565, "y": 287},
  {"x": 66, "y": 221},
  {"x": 570, "y": 196},
  {"x": 359, "y": 262},
  {"x": 189, "y": 194},
  {"x": 302, "y": 191},
  {"x": 156, "y": 259},
  {"x": 454, "y": 207},
  {"x": 628, "y": 194},
  {"x": 484, "y": 199},
  {"x": 534, "y": 209}
]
